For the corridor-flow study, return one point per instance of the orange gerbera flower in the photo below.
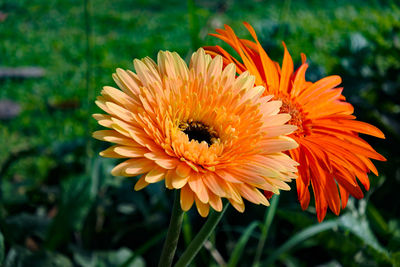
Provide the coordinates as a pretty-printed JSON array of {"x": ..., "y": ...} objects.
[
  {"x": 201, "y": 129},
  {"x": 331, "y": 153}
]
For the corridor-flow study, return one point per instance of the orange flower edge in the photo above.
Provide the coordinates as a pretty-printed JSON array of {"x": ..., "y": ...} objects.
[
  {"x": 200, "y": 128},
  {"x": 331, "y": 154}
]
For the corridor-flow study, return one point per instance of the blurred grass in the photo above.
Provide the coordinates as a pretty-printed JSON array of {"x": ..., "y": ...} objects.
[{"x": 59, "y": 204}]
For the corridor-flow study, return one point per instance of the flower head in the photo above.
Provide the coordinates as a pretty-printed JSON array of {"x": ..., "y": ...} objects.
[
  {"x": 331, "y": 153},
  {"x": 201, "y": 129}
]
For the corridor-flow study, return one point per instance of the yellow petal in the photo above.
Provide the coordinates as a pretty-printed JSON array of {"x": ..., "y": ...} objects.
[
  {"x": 183, "y": 170},
  {"x": 202, "y": 208},
  {"x": 130, "y": 151},
  {"x": 133, "y": 167},
  {"x": 252, "y": 194},
  {"x": 187, "y": 198},
  {"x": 176, "y": 180},
  {"x": 168, "y": 179},
  {"x": 139, "y": 166},
  {"x": 113, "y": 137},
  {"x": 238, "y": 206},
  {"x": 280, "y": 144},
  {"x": 155, "y": 175},
  {"x": 140, "y": 184},
  {"x": 103, "y": 120},
  {"x": 110, "y": 153},
  {"x": 215, "y": 202}
]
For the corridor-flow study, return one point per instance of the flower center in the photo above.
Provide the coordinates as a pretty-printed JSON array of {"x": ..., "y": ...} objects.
[
  {"x": 298, "y": 117},
  {"x": 199, "y": 132}
]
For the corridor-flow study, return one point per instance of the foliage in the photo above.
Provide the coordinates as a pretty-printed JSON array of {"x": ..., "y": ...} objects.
[{"x": 59, "y": 206}]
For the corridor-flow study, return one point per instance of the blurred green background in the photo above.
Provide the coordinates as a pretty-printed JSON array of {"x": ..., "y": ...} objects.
[{"x": 59, "y": 206}]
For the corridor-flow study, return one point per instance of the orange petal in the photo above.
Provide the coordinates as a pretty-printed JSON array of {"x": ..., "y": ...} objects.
[
  {"x": 196, "y": 184},
  {"x": 214, "y": 184},
  {"x": 287, "y": 70}
]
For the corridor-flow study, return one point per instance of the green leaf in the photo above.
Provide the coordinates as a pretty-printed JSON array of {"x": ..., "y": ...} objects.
[
  {"x": 376, "y": 219},
  {"x": 300, "y": 237},
  {"x": 75, "y": 204},
  {"x": 20, "y": 256},
  {"x": 396, "y": 259},
  {"x": 99, "y": 171},
  {"x": 150, "y": 243},
  {"x": 359, "y": 227},
  {"x": 238, "y": 250},
  {"x": 18, "y": 226},
  {"x": 120, "y": 257},
  {"x": 356, "y": 224}
]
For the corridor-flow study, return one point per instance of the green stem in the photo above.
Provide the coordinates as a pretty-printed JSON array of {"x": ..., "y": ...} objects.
[
  {"x": 174, "y": 229},
  {"x": 200, "y": 238},
  {"x": 269, "y": 216}
]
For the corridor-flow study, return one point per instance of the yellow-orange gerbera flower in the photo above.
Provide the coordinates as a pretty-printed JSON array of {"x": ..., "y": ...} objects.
[
  {"x": 202, "y": 129},
  {"x": 331, "y": 153}
]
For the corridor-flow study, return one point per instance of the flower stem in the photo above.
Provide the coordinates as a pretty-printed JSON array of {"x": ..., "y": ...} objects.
[
  {"x": 200, "y": 238},
  {"x": 174, "y": 229},
  {"x": 269, "y": 216}
]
